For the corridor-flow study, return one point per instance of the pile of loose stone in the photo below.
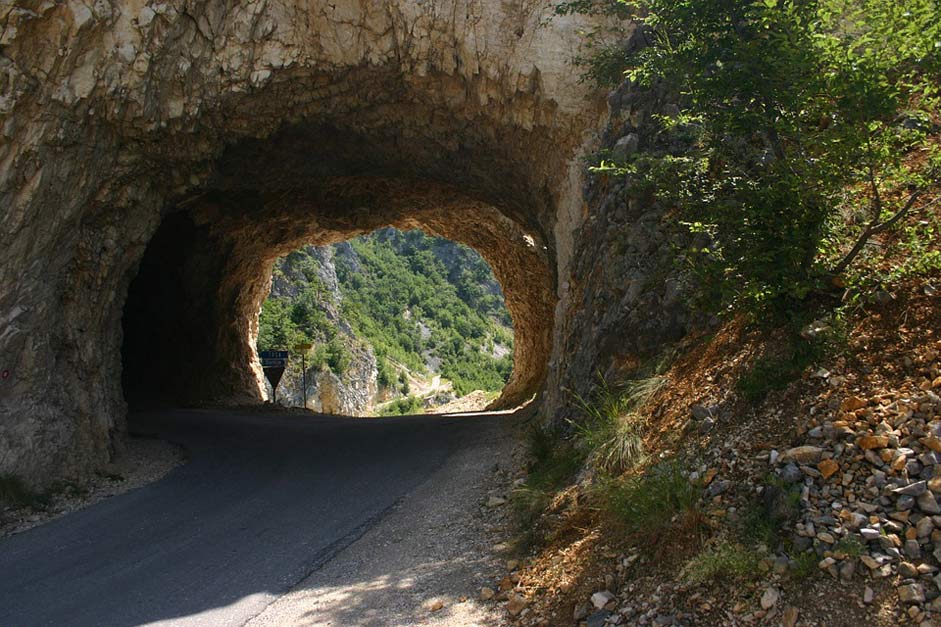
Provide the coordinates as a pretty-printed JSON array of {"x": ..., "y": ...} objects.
[
  {"x": 868, "y": 475},
  {"x": 870, "y": 481}
]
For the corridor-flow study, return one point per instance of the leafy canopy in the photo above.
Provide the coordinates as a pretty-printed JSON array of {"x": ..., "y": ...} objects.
[
  {"x": 411, "y": 306},
  {"x": 796, "y": 118}
]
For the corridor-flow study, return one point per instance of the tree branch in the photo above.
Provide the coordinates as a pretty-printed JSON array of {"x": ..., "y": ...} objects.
[
  {"x": 876, "y": 197},
  {"x": 873, "y": 229}
]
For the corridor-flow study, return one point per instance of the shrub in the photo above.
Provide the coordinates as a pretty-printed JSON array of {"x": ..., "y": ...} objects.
[
  {"x": 722, "y": 561},
  {"x": 384, "y": 376},
  {"x": 338, "y": 356},
  {"x": 408, "y": 405},
  {"x": 649, "y": 501},
  {"x": 796, "y": 119}
]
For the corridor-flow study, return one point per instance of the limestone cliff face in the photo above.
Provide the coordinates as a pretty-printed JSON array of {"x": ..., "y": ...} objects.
[
  {"x": 355, "y": 391},
  {"x": 628, "y": 295},
  {"x": 156, "y": 157}
]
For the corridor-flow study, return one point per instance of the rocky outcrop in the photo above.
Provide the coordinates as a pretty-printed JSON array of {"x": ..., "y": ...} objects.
[
  {"x": 157, "y": 157},
  {"x": 353, "y": 392},
  {"x": 627, "y": 293},
  {"x": 230, "y": 125}
]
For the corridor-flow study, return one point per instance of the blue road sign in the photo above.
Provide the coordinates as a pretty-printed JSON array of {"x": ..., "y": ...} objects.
[{"x": 273, "y": 359}]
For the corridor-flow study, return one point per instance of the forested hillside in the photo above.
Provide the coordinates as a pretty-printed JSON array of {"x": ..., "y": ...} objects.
[{"x": 414, "y": 305}]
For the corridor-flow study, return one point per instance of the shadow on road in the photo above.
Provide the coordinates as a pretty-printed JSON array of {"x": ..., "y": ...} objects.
[{"x": 266, "y": 500}]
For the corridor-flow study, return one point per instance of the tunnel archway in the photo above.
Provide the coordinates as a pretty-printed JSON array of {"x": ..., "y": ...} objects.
[
  {"x": 191, "y": 315},
  {"x": 120, "y": 117}
]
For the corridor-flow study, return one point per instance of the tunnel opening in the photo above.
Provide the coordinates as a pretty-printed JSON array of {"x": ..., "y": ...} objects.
[
  {"x": 388, "y": 323},
  {"x": 319, "y": 122},
  {"x": 191, "y": 317}
]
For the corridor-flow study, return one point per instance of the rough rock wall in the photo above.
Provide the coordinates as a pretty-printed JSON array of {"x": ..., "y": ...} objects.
[
  {"x": 627, "y": 292},
  {"x": 114, "y": 115},
  {"x": 355, "y": 392}
]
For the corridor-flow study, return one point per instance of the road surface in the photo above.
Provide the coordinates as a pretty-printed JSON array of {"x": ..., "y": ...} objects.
[{"x": 266, "y": 500}]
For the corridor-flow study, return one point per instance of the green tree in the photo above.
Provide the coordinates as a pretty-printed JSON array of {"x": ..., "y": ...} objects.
[
  {"x": 414, "y": 298},
  {"x": 785, "y": 106},
  {"x": 276, "y": 328}
]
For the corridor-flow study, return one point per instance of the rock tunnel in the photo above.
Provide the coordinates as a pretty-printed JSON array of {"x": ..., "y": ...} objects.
[
  {"x": 158, "y": 157},
  {"x": 190, "y": 318}
]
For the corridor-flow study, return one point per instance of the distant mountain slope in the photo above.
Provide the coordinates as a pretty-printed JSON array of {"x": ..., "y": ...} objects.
[{"x": 387, "y": 313}]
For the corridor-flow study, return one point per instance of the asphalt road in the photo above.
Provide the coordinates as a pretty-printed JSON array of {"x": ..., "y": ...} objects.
[{"x": 265, "y": 500}]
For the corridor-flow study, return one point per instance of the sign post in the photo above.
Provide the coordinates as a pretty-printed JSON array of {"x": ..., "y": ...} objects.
[
  {"x": 273, "y": 364},
  {"x": 302, "y": 349}
]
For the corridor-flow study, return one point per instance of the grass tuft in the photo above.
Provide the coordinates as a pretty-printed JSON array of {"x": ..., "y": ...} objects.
[
  {"x": 722, "y": 561},
  {"x": 617, "y": 446},
  {"x": 613, "y": 429},
  {"x": 763, "y": 519},
  {"x": 849, "y": 545},
  {"x": 650, "y": 501},
  {"x": 804, "y": 565},
  {"x": 15, "y": 493},
  {"x": 554, "y": 463}
]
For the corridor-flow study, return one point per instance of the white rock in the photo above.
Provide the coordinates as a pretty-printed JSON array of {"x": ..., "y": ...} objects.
[
  {"x": 600, "y": 599},
  {"x": 81, "y": 14},
  {"x": 869, "y": 534},
  {"x": 770, "y": 598},
  {"x": 145, "y": 17}
]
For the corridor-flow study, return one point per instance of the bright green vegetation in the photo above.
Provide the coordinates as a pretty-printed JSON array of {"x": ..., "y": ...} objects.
[
  {"x": 805, "y": 129},
  {"x": 407, "y": 405},
  {"x": 285, "y": 322},
  {"x": 608, "y": 439},
  {"x": 399, "y": 294},
  {"x": 423, "y": 304}
]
